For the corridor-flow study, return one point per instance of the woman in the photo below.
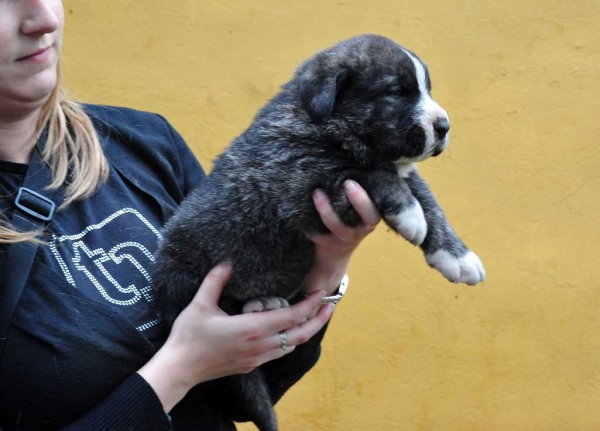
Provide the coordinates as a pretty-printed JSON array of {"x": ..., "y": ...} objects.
[{"x": 83, "y": 349}]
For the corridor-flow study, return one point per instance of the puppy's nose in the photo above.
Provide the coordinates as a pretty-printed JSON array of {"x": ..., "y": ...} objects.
[{"x": 441, "y": 126}]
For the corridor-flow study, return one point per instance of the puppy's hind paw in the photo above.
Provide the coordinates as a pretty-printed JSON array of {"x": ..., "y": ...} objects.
[
  {"x": 466, "y": 269},
  {"x": 410, "y": 224},
  {"x": 264, "y": 303}
]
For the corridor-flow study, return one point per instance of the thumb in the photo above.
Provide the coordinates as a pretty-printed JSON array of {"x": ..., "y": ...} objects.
[{"x": 213, "y": 284}]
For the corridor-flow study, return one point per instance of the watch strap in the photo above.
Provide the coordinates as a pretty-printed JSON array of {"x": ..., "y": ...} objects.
[{"x": 334, "y": 299}]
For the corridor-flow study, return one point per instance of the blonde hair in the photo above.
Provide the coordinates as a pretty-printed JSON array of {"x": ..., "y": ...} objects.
[{"x": 72, "y": 151}]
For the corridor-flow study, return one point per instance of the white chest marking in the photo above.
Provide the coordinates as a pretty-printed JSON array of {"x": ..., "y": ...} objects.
[{"x": 404, "y": 169}]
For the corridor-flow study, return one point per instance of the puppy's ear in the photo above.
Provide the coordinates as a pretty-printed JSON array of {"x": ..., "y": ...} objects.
[{"x": 318, "y": 92}]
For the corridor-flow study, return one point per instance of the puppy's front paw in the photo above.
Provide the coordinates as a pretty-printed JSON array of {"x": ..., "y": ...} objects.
[
  {"x": 465, "y": 269},
  {"x": 264, "y": 303},
  {"x": 410, "y": 224}
]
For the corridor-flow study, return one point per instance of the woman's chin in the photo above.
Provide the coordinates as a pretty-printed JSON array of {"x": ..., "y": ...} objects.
[{"x": 37, "y": 88}]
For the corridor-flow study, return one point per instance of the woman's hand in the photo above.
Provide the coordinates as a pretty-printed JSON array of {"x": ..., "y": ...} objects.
[
  {"x": 206, "y": 343},
  {"x": 334, "y": 251}
]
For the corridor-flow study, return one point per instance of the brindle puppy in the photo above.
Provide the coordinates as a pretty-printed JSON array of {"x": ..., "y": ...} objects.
[{"x": 360, "y": 110}]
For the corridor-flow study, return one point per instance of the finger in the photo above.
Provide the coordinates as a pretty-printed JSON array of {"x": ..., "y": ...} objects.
[
  {"x": 302, "y": 333},
  {"x": 331, "y": 241},
  {"x": 251, "y": 363},
  {"x": 328, "y": 216},
  {"x": 274, "y": 321},
  {"x": 276, "y": 353},
  {"x": 362, "y": 203},
  {"x": 275, "y": 342},
  {"x": 213, "y": 284}
]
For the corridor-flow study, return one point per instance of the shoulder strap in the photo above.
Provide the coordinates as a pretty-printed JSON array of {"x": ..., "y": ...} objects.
[{"x": 34, "y": 209}]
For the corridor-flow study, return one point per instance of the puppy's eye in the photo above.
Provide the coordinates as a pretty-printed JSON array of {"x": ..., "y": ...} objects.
[
  {"x": 397, "y": 90},
  {"x": 393, "y": 89}
]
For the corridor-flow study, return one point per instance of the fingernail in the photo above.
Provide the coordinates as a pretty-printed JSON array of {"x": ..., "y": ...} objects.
[
  {"x": 318, "y": 195},
  {"x": 350, "y": 186},
  {"x": 222, "y": 268}
]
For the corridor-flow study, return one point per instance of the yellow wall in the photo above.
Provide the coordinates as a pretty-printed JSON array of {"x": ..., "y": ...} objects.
[{"x": 521, "y": 82}]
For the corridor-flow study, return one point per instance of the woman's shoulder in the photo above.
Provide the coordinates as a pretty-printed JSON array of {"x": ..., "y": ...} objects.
[
  {"x": 120, "y": 127},
  {"x": 144, "y": 144},
  {"x": 118, "y": 117}
]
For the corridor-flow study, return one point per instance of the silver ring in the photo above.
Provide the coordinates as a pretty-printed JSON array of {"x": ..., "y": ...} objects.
[{"x": 284, "y": 345}]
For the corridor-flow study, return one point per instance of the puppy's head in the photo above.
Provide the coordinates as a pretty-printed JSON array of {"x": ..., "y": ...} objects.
[{"x": 377, "y": 92}]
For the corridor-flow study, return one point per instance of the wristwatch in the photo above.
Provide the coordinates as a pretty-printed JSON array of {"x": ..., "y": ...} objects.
[{"x": 341, "y": 290}]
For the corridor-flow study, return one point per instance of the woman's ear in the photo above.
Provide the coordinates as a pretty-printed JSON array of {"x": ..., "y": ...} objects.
[{"x": 319, "y": 90}]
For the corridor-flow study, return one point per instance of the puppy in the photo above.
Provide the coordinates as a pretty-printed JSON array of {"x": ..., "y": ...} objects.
[{"x": 360, "y": 110}]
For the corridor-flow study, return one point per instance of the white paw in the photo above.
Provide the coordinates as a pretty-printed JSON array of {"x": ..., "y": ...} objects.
[
  {"x": 411, "y": 224},
  {"x": 264, "y": 303},
  {"x": 466, "y": 269}
]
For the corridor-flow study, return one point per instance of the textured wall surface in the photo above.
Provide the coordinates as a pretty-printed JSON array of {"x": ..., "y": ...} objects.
[{"x": 521, "y": 82}]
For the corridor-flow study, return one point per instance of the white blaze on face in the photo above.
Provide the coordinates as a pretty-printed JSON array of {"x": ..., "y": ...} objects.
[{"x": 428, "y": 111}]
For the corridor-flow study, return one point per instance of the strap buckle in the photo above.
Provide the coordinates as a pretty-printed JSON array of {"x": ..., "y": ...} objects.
[{"x": 35, "y": 204}]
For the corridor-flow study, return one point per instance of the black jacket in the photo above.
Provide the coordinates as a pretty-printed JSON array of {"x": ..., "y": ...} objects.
[{"x": 85, "y": 321}]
